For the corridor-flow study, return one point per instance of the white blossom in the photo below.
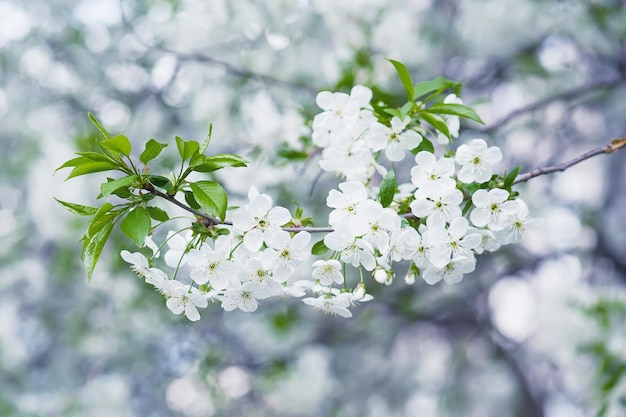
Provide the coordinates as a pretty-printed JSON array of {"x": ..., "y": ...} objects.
[
  {"x": 140, "y": 265},
  {"x": 476, "y": 160},
  {"x": 395, "y": 140},
  {"x": 327, "y": 272},
  {"x": 490, "y": 207},
  {"x": 182, "y": 298},
  {"x": 212, "y": 265}
]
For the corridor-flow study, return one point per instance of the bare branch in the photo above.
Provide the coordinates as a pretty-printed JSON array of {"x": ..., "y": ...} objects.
[
  {"x": 566, "y": 95},
  {"x": 615, "y": 145}
]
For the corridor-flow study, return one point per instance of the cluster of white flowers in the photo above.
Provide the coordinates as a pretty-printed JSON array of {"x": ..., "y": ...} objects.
[{"x": 257, "y": 258}]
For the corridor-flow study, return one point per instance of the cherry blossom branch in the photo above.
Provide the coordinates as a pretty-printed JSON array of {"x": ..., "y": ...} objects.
[
  {"x": 566, "y": 95},
  {"x": 215, "y": 221},
  {"x": 615, "y": 145}
]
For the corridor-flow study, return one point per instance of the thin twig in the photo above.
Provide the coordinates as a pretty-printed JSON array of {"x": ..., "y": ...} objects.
[
  {"x": 215, "y": 221},
  {"x": 236, "y": 71},
  {"x": 566, "y": 95},
  {"x": 615, "y": 145}
]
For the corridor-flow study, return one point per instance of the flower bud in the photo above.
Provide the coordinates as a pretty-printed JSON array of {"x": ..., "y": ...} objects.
[{"x": 380, "y": 275}]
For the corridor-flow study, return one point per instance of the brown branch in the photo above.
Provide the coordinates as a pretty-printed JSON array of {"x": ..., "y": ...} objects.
[
  {"x": 566, "y": 95},
  {"x": 615, "y": 145}
]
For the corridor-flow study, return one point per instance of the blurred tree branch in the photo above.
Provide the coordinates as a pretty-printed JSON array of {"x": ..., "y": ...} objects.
[
  {"x": 566, "y": 95},
  {"x": 615, "y": 145}
]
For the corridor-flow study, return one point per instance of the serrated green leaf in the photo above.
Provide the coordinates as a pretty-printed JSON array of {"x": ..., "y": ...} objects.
[
  {"x": 201, "y": 163},
  {"x": 158, "y": 214},
  {"x": 92, "y": 248},
  {"x": 211, "y": 197},
  {"x": 91, "y": 167},
  {"x": 186, "y": 148},
  {"x": 136, "y": 225},
  {"x": 96, "y": 123},
  {"x": 319, "y": 248},
  {"x": 152, "y": 150},
  {"x": 78, "y": 208},
  {"x": 425, "y": 145},
  {"x": 107, "y": 188},
  {"x": 456, "y": 110},
  {"x": 387, "y": 188},
  {"x": 118, "y": 145},
  {"x": 436, "y": 122},
  {"x": 510, "y": 178},
  {"x": 437, "y": 85},
  {"x": 159, "y": 181},
  {"x": 205, "y": 143},
  {"x": 405, "y": 77}
]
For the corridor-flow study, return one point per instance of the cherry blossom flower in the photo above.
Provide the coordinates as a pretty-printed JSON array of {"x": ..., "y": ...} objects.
[
  {"x": 453, "y": 122},
  {"x": 395, "y": 140},
  {"x": 456, "y": 240},
  {"x": 212, "y": 265},
  {"x": 355, "y": 251},
  {"x": 476, "y": 160},
  {"x": 451, "y": 273},
  {"x": 515, "y": 224},
  {"x": 327, "y": 272},
  {"x": 439, "y": 204},
  {"x": 244, "y": 296},
  {"x": 329, "y": 304},
  {"x": 259, "y": 220},
  {"x": 178, "y": 245},
  {"x": 288, "y": 252},
  {"x": 491, "y": 206},
  {"x": 181, "y": 298},
  {"x": 140, "y": 265},
  {"x": 432, "y": 172}
]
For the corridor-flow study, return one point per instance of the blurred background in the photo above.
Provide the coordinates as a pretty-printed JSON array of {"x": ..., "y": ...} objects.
[{"x": 536, "y": 330}]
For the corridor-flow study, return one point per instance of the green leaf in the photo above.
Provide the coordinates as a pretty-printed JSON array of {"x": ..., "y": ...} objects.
[
  {"x": 92, "y": 248},
  {"x": 103, "y": 215},
  {"x": 96, "y": 123},
  {"x": 387, "y": 188},
  {"x": 394, "y": 112},
  {"x": 406, "y": 109},
  {"x": 405, "y": 77},
  {"x": 152, "y": 150},
  {"x": 510, "y": 178},
  {"x": 158, "y": 214},
  {"x": 118, "y": 145},
  {"x": 212, "y": 163},
  {"x": 136, "y": 225},
  {"x": 161, "y": 182},
  {"x": 211, "y": 197},
  {"x": 191, "y": 200},
  {"x": 205, "y": 143},
  {"x": 436, "y": 85},
  {"x": 319, "y": 248},
  {"x": 78, "y": 209},
  {"x": 425, "y": 145},
  {"x": 455, "y": 109},
  {"x": 436, "y": 122},
  {"x": 85, "y": 158},
  {"x": 186, "y": 148},
  {"x": 107, "y": 188},
  {"x": 91, "y": 167},
  {"x": 291, "y": 154}
]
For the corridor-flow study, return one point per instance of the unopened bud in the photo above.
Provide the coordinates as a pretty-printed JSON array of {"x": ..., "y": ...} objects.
[
  {"x": 359, "y": 292},
  {"x": 410, "y": 277},
  {"x": 380, "y": 275}
]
